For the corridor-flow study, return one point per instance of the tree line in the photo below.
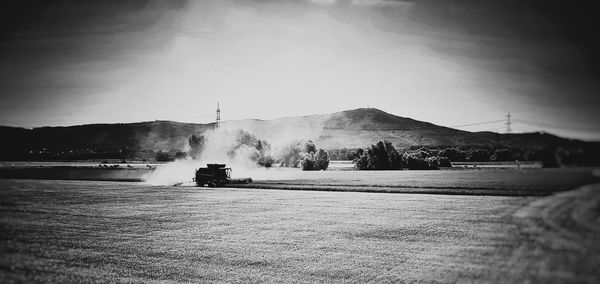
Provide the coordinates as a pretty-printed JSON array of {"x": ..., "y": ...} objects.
[
  {"x": 384, "y": 155},
  {"x": 302, "y": 154}
]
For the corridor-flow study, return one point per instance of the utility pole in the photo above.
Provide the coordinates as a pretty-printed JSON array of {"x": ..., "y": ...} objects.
[
  {"x": 508, "y": 123},
  {"x": 218, "y": 116}
]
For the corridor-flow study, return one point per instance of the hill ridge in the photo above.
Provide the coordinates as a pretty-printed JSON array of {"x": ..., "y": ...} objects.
[{"x": 354, "y": 128}]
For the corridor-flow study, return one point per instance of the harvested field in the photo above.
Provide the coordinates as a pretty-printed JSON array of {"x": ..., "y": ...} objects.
[
  {"x": 532, "y": 182},
  {"x": 81, "y": 231},
  {"x": 76, "y": 173}
]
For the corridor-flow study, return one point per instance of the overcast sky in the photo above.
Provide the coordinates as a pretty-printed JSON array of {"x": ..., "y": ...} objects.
[{"x": 448, "y": 62}]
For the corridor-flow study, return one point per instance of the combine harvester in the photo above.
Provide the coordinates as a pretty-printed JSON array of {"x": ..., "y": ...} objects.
[{"x": 215, "y": 175}]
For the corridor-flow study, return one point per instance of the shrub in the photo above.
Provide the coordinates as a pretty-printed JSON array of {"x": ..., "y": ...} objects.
[
  {"x": 444, "y": 162},
  {"x": 502, "y": 155},
  {"x": 384, "y": 156},
  {"x": 164, "y": 157},
  {"x": 322, "y": 160},
  {"x": 257, "y": 150},
  {"x": 351, "y": 155},
  {"x": 478, "y": 155},
  {"x": 180, "y": 155},
  {"x": 342, "y": 154},
  {"x": 453, "y": 154},
  {"x": 314, "y": 160},
  {"x": 308, "y": 162},
  {"x": 380, "y": 156},
  {"x": 197, "y": 144},
  {"x": 432, "y": 162},
  {"x": 550, "y": 158},
  {"x": 362, "y": 162},
  {"x": 571, "y": 156},
  {"x": 310, "y": 147},
  {"x": 424, "y": 152},
  {"x": 415, "y": 161}
]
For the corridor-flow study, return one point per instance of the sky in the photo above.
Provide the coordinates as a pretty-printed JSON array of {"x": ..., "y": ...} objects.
[{"x": 457, "y": 63}]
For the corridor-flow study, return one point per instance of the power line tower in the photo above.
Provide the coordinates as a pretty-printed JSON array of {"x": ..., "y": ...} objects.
[
  {"x": 218, "y": 116},
  {"x": 508, "y": 123}
]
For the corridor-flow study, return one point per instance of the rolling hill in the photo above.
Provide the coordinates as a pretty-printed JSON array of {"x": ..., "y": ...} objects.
[{"x": 347, "y": 129}]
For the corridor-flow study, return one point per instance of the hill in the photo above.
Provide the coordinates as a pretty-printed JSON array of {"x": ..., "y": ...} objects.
[
  {"x": 96, "y": 140},
  {"x": 347, "y": 129},
  {"x": 358, "y": 128}
]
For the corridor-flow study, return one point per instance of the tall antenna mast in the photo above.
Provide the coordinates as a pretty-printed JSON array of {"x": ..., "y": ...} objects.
[
  {"x": 508, "y": 123},
  {"x": 218, "y": 116}
]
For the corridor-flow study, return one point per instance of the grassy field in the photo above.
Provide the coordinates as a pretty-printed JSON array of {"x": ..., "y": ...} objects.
[
  {"x": 503, "y": 182},
  {"x": 499, "y": 182},
  {"x": 76, "y": 173},
  {"x": 82, "y": 231}
]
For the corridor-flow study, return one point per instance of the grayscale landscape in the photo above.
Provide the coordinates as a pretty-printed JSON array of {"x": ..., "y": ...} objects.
[{"x": 301, "y": 141}]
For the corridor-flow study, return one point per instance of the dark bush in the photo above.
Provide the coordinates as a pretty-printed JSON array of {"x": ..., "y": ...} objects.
[
  {"x": 310, "y": 147},
  {"x": 424, "y": 152},
  {"x": 502, "y": 155},
  {"x": 342, "y": 154},
  {"x": 351, "y": 155},
  {"x": 479, "y": 155},
  {"x": 550, "y": 159},
  {"x": 308, "y": 162},
  {"x": 197, "y": 144},
  {"x": 164, "y": 157},
  {"x": 380, "y": 156},
  {"x": 415, "y": 161},
  {"x": 432, "y": 162},
  {"x": 265, "y": 161},
  {"x": 322, "y": 160},
  {"x": 358, "y": 153},
  {"x": 362, "y": 162},
  {"x": 180, "y": 155},
  {"x": 314, "y": 160},
  {"x": 571, "y": 156},
  {"x": 453, "y": 154},
  {"x": 444, "y": 162}
]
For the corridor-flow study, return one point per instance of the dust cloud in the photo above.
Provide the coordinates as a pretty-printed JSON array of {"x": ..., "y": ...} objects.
[{"x": 241, "y": 150}]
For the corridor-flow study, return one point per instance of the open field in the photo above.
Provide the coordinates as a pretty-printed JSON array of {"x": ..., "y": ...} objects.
[
  {"x": 82, "y": 231},
  {"x": 490, "y": 181},
  {"x": 76, "y": 173},
  {"x": 79, "y": 170},
  {"x": 530, "y": 182},
  {"x": 86, "y": 164}
]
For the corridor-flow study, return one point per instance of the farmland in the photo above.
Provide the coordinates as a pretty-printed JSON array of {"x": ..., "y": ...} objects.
[
  {"x": 532, "y": 182},
  {"x": 96, "y": 231}
]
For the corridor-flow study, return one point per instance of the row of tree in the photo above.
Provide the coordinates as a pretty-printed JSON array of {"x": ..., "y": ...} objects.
[
  {"x": 473, "y": 154},
  {"x": 301, "y": 153},
  {"x": 384, "y": 156}
]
